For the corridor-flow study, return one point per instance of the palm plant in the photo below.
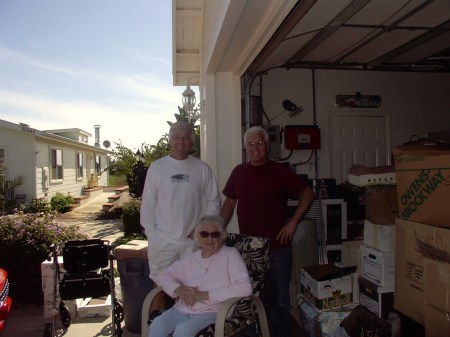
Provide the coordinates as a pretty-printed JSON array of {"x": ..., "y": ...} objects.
[{"x": 6, "y": 185}]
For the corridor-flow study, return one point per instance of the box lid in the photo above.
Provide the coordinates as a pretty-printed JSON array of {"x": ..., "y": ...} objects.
[
  {"x": 426, "y": 147},
  {"x": 133, "y": 249},
  {"x": 373, "y": 251},
  {"x": 322, "y": 272}
]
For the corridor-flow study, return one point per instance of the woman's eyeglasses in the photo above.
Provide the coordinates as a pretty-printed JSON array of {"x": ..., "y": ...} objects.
[{"x": 205, "y": 234}]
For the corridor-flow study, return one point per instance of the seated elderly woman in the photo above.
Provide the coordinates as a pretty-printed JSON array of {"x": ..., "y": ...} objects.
[{"x": 201, "y": 282}]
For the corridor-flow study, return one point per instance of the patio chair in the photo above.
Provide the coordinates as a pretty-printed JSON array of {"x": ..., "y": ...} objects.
[{"x": 237, "y": 315}]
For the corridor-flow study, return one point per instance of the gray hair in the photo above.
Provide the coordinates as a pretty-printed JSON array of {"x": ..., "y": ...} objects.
[
  {"x": 182, "y": 125},
  {"x": 256, "y": 130},
  {"x": 215, "y": 220}
]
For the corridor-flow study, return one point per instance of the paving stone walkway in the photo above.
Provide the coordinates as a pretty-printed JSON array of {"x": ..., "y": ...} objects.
[{"x": 86, "y": 217}]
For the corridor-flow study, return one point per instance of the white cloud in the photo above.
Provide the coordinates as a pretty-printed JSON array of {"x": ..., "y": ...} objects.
[
  {"x": 13, "y": 57},
  {"x": 134, "y": 107}
]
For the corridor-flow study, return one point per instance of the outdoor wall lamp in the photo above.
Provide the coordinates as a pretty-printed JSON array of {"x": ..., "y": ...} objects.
[
  {"x": 189, "y": 101},
  {"x": 138, "y": 156},
  {"x": 139, "y": 173}
]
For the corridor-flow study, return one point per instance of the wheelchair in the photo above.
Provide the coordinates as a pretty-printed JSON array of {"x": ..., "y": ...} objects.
[{"x": 88, "y": 272}]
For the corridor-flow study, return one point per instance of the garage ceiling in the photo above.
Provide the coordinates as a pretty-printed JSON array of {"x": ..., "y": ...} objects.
[{"x": 389, "y": 35}]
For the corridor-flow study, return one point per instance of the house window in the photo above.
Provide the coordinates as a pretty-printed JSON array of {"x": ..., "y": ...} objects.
[
  {"x": 57, "y": 164},
  {"x": 2, "y": 155},
  {"x": 98, "y": 165},
  {"x": 79, "y": 163}
]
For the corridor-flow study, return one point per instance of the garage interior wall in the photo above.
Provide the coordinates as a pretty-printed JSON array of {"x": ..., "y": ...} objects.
[{"x": 416, "y": 103}]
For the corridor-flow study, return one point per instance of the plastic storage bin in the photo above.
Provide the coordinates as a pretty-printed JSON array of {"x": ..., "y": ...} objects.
[{"x": 132, "y": 263}]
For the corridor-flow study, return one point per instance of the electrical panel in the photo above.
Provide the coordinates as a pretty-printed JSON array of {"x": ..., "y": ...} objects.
[
  {"x": 274, "y": 141},
  {"x": 301, "y": 137}
]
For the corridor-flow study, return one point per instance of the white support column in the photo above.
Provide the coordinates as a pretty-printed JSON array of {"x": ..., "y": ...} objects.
[{"x": 221, "y": 127}]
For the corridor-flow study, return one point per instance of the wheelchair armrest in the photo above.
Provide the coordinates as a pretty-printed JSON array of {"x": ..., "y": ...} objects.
[
  {"x": 145, "y": 310},
  {"x": 229, "y": 305}
]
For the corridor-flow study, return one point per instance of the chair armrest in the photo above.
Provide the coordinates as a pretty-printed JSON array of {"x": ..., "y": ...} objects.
[
  {"x": 229, "y": 304},
  {"x": 146, "y": 308}
]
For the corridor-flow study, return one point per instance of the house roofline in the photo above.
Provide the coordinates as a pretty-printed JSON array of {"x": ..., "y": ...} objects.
[
  {"x": 22, "y": 127},
  {"x": 84, "y": 133}
]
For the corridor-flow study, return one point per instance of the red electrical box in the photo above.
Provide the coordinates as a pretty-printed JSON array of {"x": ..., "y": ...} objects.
[{"x": 301, "y": 137}]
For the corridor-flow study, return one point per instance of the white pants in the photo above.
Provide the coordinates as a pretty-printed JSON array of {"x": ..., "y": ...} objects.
[{"x": 162, "y": 253}]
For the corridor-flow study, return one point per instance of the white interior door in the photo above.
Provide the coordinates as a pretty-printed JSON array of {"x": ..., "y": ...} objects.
[{"x": 358, "y": 137}]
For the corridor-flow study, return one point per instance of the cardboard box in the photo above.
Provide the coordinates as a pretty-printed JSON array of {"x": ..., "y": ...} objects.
[
  {"x": 381, "y": 204},
  {"x": 71, "y": 304},
  {"x": 47, "y": 284},
  {"x": 325, "y": 288},
  {"x": 47, "y": 274},
  {"x": 351, "y": 254},
  {"x": 134, "y": 249},
  {"x": 437, "y": 298},
  {"x": 410, "y": 274},
  {"x": 381, "y": 237},
  {"x": 328, "y": 322},
  {"x": 318, "y": 323},
  {"x": 308, "y": 316},
  {"x": 47, "y": 269},
  {"x": 361, "y": 175},
  {"x": 378, "y": 266},
  {"x": 379, "y": 300},
  {"x": 355, "y": 287},
  {"x": 91, "y": 307},
  {"x": 423, "y": 182}
]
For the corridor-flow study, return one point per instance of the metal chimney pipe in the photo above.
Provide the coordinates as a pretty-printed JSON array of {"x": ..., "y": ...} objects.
[{"x": 97, "y": 135}]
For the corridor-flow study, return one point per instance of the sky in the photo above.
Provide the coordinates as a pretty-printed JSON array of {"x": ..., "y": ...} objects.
[{"x": 75, "y": 64}]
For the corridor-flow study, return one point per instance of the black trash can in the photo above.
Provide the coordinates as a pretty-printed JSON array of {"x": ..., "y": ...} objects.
[{"x": 135, "y": 284}]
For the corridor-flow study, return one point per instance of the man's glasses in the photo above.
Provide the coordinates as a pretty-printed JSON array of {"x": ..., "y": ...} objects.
[
  {"x": 260, "y": 143},
  {"x": 205, "y": 234}
]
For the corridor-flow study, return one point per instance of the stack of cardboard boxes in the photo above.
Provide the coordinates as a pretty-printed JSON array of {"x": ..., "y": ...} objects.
[
  {"x": 330, "y": 292},
  {"x": 422, "y": 278},
  {"x": 403, "y": 262},
  {"x": 326, "y": 298},
  {"x": 47, "y": 277},
  {"x": 377, "y": 253}
]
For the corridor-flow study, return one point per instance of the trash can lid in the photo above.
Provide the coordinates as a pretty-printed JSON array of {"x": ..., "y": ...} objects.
[{"x": 132, "y": 250}]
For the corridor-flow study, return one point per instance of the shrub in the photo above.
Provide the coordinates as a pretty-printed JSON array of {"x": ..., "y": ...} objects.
[
  {"x": 24, "y": 244},
  {"x": 117, "y": 180},
  {"x": 61, "y": 203},
  {"x": 39, "y": 205},
  {"x": 131, "y": 216}
]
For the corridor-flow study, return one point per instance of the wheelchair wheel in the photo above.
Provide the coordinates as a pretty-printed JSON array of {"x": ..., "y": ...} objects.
[
  {"x": 118, "y": 317},
  {"x": 118, "y": 311},
  {"x": 64, "y": 312},
  {"x": 47, "y": 330}
]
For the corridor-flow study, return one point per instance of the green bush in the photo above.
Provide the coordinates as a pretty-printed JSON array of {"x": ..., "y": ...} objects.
[
  {"x": 61, "y": 203},
  {"x": 24, "y": 244},
  {"x": 117, "y": 180},
  {"x": 39, "y": 205},
  {"x": 131, "y": 216}
]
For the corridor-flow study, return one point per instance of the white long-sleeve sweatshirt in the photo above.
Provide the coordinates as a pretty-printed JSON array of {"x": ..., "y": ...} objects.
[{"x": 177, "y": 193}]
